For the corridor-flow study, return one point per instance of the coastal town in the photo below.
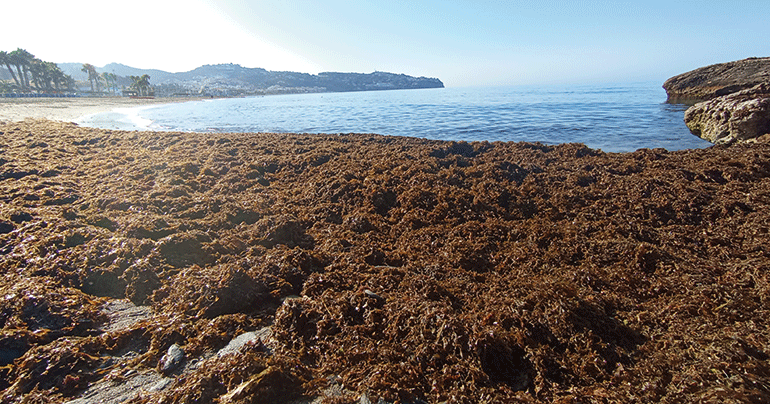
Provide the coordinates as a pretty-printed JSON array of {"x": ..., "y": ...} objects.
[{"x": 22, "y": 74}]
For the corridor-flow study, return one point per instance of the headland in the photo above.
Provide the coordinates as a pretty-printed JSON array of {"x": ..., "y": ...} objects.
[{"x": 731, "y": 100}]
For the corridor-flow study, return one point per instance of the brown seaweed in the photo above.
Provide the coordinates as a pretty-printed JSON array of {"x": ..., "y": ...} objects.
[{"x": 396, "y": 268}]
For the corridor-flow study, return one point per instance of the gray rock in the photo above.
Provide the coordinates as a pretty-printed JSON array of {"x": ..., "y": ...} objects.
[
  {"x": 108, "y": 392},
  {"x": 717, "y": 80},
  {"x": 171, "y": 360},
  {"x": 161, "y": 384},
  {"x": 123, "y": 314},
  {"x": 236, "y": 344},
  {"x": 364, "y": 399},
  {"x": 739, "y": 117}
]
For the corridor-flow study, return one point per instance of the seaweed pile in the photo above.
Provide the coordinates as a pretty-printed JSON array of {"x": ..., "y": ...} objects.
[{"x": 396, "y": 269}]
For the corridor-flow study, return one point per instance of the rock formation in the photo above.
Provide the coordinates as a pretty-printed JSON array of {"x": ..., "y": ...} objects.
[
  {"x": 732, "y": 100},
  {"x": 717, "y": 80},
  {"x": 742, "y": 116}
]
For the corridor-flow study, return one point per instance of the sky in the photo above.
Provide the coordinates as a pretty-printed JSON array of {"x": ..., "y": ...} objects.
[{"x": 463, "y": 43}]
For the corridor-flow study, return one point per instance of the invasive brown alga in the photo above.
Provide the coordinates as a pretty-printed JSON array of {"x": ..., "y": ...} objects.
[{"x": 403, "y": 268}]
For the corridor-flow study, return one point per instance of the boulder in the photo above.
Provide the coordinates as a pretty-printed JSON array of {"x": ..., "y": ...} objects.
[
  {"x": 717, "y": 80},
  {"x": 740, "y": 117}
]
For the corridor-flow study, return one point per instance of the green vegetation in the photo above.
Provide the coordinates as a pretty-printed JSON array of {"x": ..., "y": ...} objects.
[
  {"x": 27, "y": 74},
  {"x": 111, "y": 81},
  {"x": 141, "y": 84},
  {"x": 32, "y": 74}
]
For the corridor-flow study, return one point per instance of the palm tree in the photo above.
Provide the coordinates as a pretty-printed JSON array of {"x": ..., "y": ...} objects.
[
  {"x": 67, "y": 81},
  {"x": 114, "y": 78},
  {"x": 6, "y": 87},
  {"x": 93, "y": 76},
  {"x": 49, "y": 75},
  {"x": 106, "y": 78},
  {"x": 45, "y": 76},
  {"x": 6, "y": 59},
  {"x": 141, "y": 84},
  {"x": 134, "y": 83},
  {"x": 144, "y": 84},
  {"x": 15, "y": 59},
  {"x": 110, "y": 79},
  {"x": 39, "y": 74},
  {"x": 53, "y": 75},
  {"x": 22, "y": 59},
  {"x": 87, "y": 68}
]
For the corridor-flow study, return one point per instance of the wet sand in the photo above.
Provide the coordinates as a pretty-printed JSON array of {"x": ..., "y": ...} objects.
[
  {"x": 70, "y": 109},
  {"x": 395, "y": 268}
]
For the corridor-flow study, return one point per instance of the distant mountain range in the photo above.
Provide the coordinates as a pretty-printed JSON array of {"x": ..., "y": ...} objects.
[{"x": 233, "y": 79}]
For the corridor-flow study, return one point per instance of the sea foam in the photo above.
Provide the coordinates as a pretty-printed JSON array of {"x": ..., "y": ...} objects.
[{"x": 118, "y": 118}]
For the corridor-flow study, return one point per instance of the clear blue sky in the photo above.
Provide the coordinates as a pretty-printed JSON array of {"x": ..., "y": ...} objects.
[{"x": 464, "y": 43}]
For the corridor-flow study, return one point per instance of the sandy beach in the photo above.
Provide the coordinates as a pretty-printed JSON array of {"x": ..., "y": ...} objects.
[
  {"x": 70, "y": 109},
  {"x": 361, "y": 267}
]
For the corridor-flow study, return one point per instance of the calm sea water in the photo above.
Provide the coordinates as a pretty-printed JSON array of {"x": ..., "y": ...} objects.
[{"x": 614, "y": 118}]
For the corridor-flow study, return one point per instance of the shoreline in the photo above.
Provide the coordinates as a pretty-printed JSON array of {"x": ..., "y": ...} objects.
[
  {"x": 73, "y": 109},
  {"x": 649, "y": 127}
]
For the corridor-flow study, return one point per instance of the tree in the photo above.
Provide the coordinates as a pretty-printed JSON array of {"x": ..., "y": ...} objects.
[
  {"x": 38, "y": 74},
  {"x": 54, "y": 75},
  {"x": 93, "y": 76},
  {"x": 141, "y": 84},
  {"x": 144, "y": 84},
  {"x": 48, "y": 75},
  {"x": 111, "y": 80},
  {"x": 6, "y": 59},
  {"x": 134, "y": 83},
  {"x": 6, "y": 87},
  {"x": 106, "y": 78},
  {"x": 114, "y": 78},
  {"x": 45, "y": 76},
  {"x": 67, "y": 81},
  {"x": 22, "y": 59}
]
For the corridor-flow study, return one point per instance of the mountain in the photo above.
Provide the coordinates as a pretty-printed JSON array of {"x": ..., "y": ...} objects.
[
  {"x": 233, "y": 79},
  {"x": 74, "y": 70}
]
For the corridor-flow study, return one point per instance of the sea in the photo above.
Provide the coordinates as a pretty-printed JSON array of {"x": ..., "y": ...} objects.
[{"x": 609, "y": 117}]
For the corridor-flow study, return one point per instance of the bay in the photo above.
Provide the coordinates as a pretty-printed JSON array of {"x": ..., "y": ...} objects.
[{"x": 611, "y": 117}]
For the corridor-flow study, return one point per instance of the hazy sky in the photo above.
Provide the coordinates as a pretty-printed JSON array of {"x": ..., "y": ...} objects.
[{"x": 464, "y": 43}]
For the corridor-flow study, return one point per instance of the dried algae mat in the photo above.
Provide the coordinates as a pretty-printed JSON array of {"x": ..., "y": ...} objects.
[{"x": 400, "y": 269}]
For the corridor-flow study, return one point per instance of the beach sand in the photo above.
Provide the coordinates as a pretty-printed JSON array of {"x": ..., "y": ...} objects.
[
  {"x": 378, "y": 267},
  {"x": 70, "y": 109}
]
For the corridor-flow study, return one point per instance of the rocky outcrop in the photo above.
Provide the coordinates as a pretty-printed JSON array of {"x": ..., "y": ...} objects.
[
  {"x": 717, "y": 80},
  {"x": 731, "y": 100},
  {"x": 739, "y": 117}
]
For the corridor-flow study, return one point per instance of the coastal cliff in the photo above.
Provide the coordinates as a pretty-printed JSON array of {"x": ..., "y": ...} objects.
[
  {"x": 738, "y": 117},
  {"x": 731, "y": 100},
  {"x": 717, "y": 80}
]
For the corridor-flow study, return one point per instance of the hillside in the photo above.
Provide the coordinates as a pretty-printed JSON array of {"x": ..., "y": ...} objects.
[{"x": 233, "y": 79}]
